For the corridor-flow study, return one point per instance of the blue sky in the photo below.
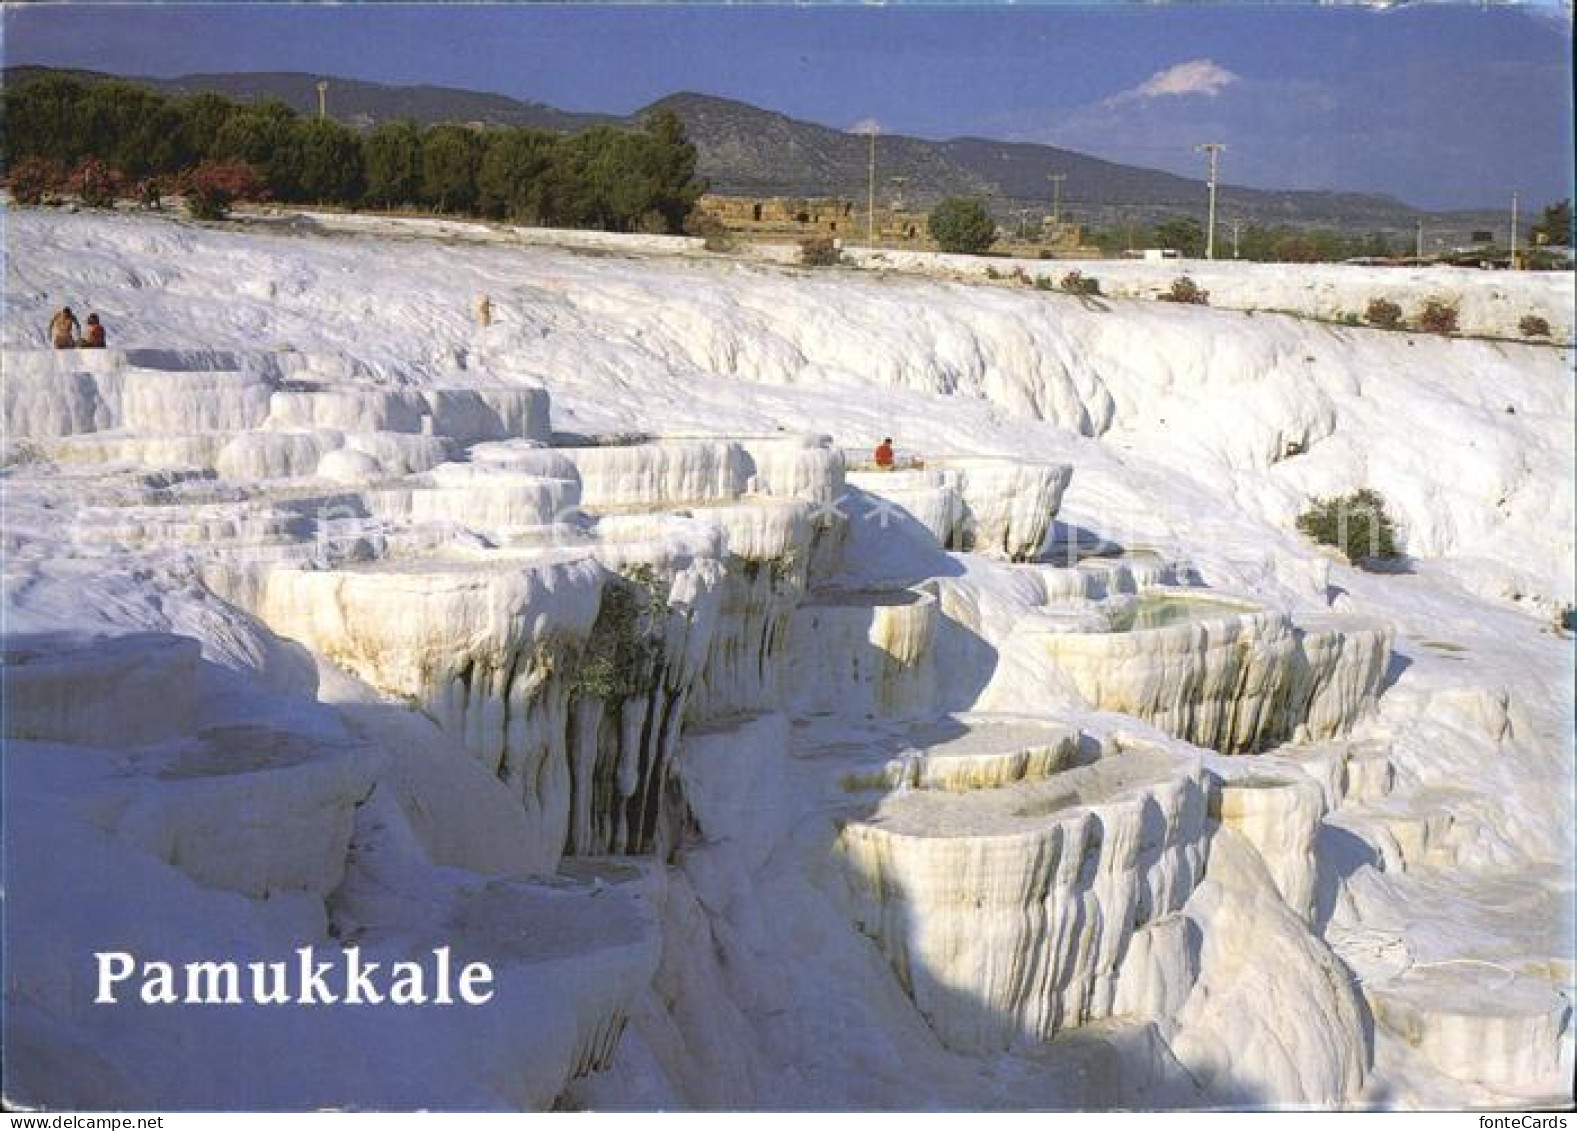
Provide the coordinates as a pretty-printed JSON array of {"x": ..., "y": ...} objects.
[{"x": 1441, "y": 105}]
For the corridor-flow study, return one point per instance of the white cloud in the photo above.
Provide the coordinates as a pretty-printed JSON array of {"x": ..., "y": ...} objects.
[
  {"x": 1197, "y": 76},
  {"x": 866, "y": 126}
]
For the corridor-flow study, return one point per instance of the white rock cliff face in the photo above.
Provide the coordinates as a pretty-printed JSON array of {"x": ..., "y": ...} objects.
[
  {"x": 1002, "y": 507},
  {"x": 575, "y": 645},
  {"x": 1230, "y": 681},
  {"x": 1006, "y": 914},
  {"x": 863, "y": 655}
]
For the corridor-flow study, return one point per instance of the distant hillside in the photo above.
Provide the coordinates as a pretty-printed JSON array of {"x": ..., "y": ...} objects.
[
  {"x": 747, "y": 150},
  {"x": 1021, "y": 172},
  {"x": 744, "y": 149},
  {"x": 353, "y": 101}
]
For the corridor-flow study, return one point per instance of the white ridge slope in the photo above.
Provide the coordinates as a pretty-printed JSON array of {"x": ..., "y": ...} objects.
[{"x": 1054, "y": 770}]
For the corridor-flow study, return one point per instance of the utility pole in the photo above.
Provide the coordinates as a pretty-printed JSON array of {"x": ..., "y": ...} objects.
[
  {"x": 323, "y": 99},
  {"x": 870, "y": 201},
  {"x": 1056, "y": 180},
  {"x": 1213, "y": 148},
  {"x": 1514, "y": 230},
  {"x": 1418, "y": 252},
  {"x": 1236, "y": 225}
]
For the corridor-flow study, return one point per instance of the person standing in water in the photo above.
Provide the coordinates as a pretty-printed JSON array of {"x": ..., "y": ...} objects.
[
  {"x": 93, "y": 337},
  {"x": 63, "y": 329}
]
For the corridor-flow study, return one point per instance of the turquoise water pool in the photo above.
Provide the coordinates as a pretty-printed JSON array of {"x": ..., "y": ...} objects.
[{"x": 1161, "y": 610}]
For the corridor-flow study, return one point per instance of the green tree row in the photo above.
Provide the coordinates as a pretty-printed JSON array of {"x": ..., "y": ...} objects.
[
  {"x": 1282, "y": 243},
  {"x": 962, "y": 224},
  {"x": 1285, "y": 244},
  {"x": 616, "y": 179}
]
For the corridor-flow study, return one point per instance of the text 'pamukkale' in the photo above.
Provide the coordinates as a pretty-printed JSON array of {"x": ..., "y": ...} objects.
[{"x": 345, "y": 979}]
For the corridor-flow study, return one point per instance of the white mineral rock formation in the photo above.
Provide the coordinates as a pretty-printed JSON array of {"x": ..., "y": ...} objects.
[
  {"x": 573, "y": 644},
  {"x": 1230, "y": 679},
  {"x": 46, "y": 676},
  {"x": 863, "y": 654},
  {"x": 1280, "y": 816},
  {"x": 1002, "y": 506},
  {"x": 1006, "y": 913},
  {"x": 1273, "y": 1012},
  {"x": 659, "y": 475}
]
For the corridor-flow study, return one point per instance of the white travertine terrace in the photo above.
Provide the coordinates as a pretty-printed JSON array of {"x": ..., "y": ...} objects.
[
  {"x": 46, "y": 674},
  {"x": 491, "y": 496},
  {"x": 489, "y": 651},
  {"x": 228, "y": 412},
  {"x": 757, "y": 778},
  {"x": 1341, "y": 664},
  {"x": 1273, "y": 1010},
  {"x": 992, "y": 753},
  {"x": 863, "y": 654},
  {"x": 264, "y": 849},
  {"x": 654, "y": 476},
  {"x": 1006, "y": 913},
  {"x": 1480, "y": 1022},
  {"x": 467, "y": 416},
  {"x": 769, "y": 548},
  {"x": 1233, "y": 678},
  {"x": 1279, "y": 815},
  {"x": 803, "y": 466},
  {"x": 997, "y": 506},
  {"x": 253, "y": 810}
]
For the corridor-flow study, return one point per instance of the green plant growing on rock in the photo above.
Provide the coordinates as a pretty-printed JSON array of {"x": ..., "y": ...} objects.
[
  {"x": 1185, "y": 290},
  {"x": 213, "y": 186},
  {"x": 623, "y": 654},
  {"x": 713, "y": 233},
  {"x": 819, "y": 251},
  {"x": 1078, "y": 283},
  {"x": 1438, "y": 317},
  {"x": 782, "y": 569},
  {"x": 96, "y": 184},
  {"x": 962, "y": 226},
  {"x": 646, "y": 578},
  {"x": 32, "y": 179},
  {"x": 1355, "y": 524},
  {"x": 1383, "y": 313},
  {"x": 1533, "y": 326}
]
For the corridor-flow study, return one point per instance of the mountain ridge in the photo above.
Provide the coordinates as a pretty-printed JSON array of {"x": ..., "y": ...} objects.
[{"x": 748, "y": 150}]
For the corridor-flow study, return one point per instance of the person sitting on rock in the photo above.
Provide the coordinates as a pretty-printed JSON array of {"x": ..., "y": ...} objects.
[
  {"x": 63, "y": 329},
  {"x": 884, "y": 454},
  {"x": 93, "y": 337}
]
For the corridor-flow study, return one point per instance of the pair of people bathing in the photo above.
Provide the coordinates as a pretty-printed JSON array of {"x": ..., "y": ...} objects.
[{"x": 65, "y": 332}]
